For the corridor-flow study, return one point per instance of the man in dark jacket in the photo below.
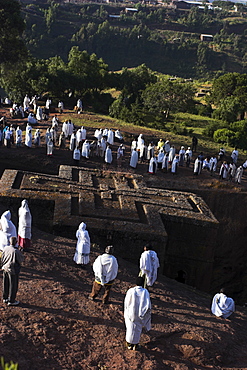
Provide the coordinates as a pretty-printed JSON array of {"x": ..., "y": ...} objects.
[{"x": 11, "y": 266}]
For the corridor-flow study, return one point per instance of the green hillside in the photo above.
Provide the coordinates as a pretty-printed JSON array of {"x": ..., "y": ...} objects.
[{"x": 167, "y": 40}]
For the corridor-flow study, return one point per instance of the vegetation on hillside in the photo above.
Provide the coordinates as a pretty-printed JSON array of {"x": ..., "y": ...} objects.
[
  {"x": 141, "y": 96},
  {"x": 165, "y": 39}
]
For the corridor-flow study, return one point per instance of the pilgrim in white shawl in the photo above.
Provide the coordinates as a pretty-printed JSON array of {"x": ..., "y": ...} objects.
[
  {"x": 28, "y": 137},
  {"x": 18, "y": 137},
  {"x": 120, "y": 154},
  {"x": 39, "y": 114},
  {"x": 24, "y": 226},
  {"x": 60, "y": 106},
  {"x": 239, "y": 174},
  {"x": 181, "y": 156},
  {"x": 167, "y": 146},
  {"x": 174, "y": 167},
  {"x": 105, "y": 269},
  {"x": 76, "y": 156},
  {"x": 85, "y": 149},
  {"x": 140, "y": 141},
  {"x": 134, "y": 158},
  {"x": 197, "y": 166},
  {"x": 160, "y": 158},
  {"x": 172, "y": 152},
  {"x": 81, "y": 256},
  {"x": 83, "y": 133},
  {"x": 26, "y": 103},
  {"x": 110, "y": 137},
  {"x": 213, "y": 164},
  {"x": 134, "y": 145},
  {"x": 8, "y": 229},
  {"x": 108, "y": 155},
  {"x": 79, "y": 106},
  {"x": 71, "y": 127},
  {"x": 31, "y": 119},
  {"x": 222, "y": 306},
  {"x": 224, "y": 171},
  {"x": 137, "y": 313},
  {"x": 149, "y": 264},
  {"x": 118, "y": 136},
  {"x": 49, "y": 147},
  {"x": 188, "y": 156},
  {"x": 152, "y": 168},
  {"x": 72, "y": 142},
  {"x": 37, "y": 138}
]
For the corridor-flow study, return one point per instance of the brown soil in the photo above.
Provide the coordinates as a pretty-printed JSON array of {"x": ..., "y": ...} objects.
[{"x": 57, "y": 327}]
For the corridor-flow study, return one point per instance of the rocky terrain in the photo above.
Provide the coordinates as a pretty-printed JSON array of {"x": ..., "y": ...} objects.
[{"x": 57, "y": 327}]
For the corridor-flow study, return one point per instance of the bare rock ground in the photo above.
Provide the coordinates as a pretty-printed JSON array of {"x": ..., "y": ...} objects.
[{"x": 57, "y": 327}]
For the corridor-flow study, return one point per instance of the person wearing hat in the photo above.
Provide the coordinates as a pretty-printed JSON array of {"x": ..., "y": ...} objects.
[{"x": 105, "y": 269}]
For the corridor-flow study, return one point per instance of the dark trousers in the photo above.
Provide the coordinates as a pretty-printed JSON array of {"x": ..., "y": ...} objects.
[
  {"x": 10, "y": 286},
  {"x": 97, "y": 288}
]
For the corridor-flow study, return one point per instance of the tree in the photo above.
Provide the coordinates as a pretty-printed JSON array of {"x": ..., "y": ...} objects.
[
  {"x": 12, "y": 47},
  {"x": 165, "y": 96},
  {"x": 228, "y": 109},
  {"x": 230, "y": 90},
  {"x": 224, "y": 135}
]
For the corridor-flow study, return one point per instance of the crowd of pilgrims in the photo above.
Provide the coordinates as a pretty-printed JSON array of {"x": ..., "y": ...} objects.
[{"x": 161, "y": 155}]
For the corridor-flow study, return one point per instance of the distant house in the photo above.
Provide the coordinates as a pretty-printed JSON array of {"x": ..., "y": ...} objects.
[
  {"x": 131, "y": 10},
  {"x": 184, "y": 5},
  {"x": 204, "y": 37}
]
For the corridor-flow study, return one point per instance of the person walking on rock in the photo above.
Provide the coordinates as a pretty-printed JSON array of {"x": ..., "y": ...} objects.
[
  {"x": 11, "y": 266},
  {"x": 105, "y": 268},
  {"x": 137, "y": 313}
]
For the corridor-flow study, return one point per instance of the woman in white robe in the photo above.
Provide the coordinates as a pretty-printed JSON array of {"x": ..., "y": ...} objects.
[
  {"x": 49, "y": 146},
  {"x": 85, "y": 149},
  {"x": 134, "y": 158},
  {"x": 137, "y": 313},
  {"x": 239, "y": 174},
  {"x": 108, "y": 155},
  {"x": 152, "y": 168},
  {"x": 83, "y": 133},
  {"x": 160, "y": 157},
  {"x": 222, "y": 306},
  {"x": 223, "y": 171},
  {"x": 82, "y": 252},
  {"x": 175, "y": 162},
  {"x": 31, "y": 119},
  {"x": 172, "y": 152},
  {"x": 8, "y": 229},
  {"x": 18, "y": 136},
  {"x": 110, "y": 137},
  {"x": 24, "y": 226},
  {"x": 165, "y": 163},
  {"x": 28, "y": 137},
  {"x": 26, "y": 103},
  {"x": 140, "y": 142},
  {"x": 39, "y": 114},
  {"x": 72, "y": 142},
  {"x": 118, "y": 136},
  {"x": 37, "y": 138}
]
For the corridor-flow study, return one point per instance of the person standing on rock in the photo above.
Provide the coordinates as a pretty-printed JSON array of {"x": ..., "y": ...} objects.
[
  {"x": 222, "y": 306},
  {"x": 7, "y": 229},
  {"x": 11, "y": 265},
  {"x": 82, "y": 252},
  {"x": 149, "y": 264},
  {"x": 137, "y": 313},
  {"x": 105, "y": 268},
  {"x": 25, "y": 226}
]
